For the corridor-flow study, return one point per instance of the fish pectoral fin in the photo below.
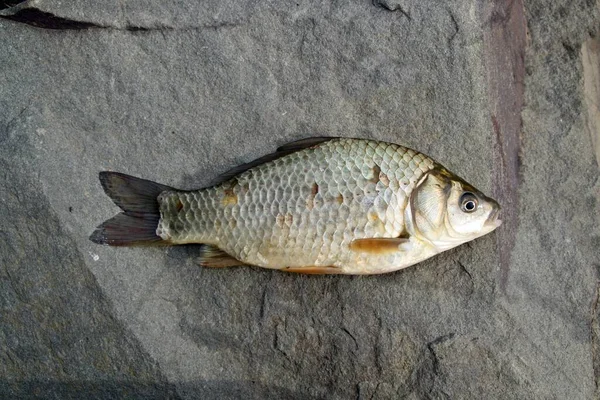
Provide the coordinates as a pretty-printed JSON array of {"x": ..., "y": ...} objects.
[
  {"x": 313, "y": 270},
  {"x": 213, "y": 257},
  {"x": 380, "y": 245}
]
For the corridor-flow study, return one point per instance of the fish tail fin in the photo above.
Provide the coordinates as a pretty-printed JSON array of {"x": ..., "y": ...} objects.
[{"x": 138, "y": 198}]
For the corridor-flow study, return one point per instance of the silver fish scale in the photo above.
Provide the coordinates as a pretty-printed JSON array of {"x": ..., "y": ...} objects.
[{"x": 303, "y": 209}]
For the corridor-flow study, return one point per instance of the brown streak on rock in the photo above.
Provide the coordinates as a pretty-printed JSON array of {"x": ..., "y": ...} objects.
[
  {"x": 179, "y": 205},
  {"x": 340, "y": 198},
  {"x": 498, "y": 134},
  {"x": 595, "y": 335},
  {"x": 504, "y": 54}
]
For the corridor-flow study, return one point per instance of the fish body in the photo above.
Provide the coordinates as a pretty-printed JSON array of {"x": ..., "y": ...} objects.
[{"x": 349, "y": 206}]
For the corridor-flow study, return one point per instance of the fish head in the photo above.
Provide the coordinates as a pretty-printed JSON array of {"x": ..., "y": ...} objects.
[{"x": 447, "y": 211}]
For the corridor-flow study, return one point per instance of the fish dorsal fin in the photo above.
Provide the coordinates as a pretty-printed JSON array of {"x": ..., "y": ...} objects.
[
  {"x": 379, "y": 245},
  {"x": 213, "y": 257},
  {"x": 282, "y": 151},
  {"x": 302, "y": 144}
]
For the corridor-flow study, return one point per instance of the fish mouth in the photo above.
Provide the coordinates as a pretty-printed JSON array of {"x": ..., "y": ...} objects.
[{"x": 492, "y": 220}]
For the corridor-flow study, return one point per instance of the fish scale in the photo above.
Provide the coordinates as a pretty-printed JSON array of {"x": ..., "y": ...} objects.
[{"x": 303, "y": 209}]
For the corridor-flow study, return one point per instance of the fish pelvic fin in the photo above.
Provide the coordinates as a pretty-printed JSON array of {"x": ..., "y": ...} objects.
[
  {"x": 136, "y": 225},
  {"x": 213, "y": 257}
]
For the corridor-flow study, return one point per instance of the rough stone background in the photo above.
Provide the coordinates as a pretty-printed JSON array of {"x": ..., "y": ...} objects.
[{"x": 503, "y": 93}]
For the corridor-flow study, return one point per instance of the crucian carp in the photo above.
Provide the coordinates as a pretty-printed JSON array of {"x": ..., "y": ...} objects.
[{"x": 319, "y": 205}]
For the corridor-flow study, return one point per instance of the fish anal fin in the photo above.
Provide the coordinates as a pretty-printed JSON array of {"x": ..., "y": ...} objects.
[
  {"x": 213, "y": 257},
  {"x": 379, "y": 245},
  {"x": 282, "y": 151},
  {"x": 313, "y": 270}
]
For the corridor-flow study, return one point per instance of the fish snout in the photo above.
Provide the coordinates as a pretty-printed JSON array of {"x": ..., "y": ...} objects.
[{"x": 492, "y": 220}]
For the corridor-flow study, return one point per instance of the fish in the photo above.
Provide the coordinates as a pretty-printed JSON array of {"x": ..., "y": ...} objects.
[{"x": 316, "y": 206}]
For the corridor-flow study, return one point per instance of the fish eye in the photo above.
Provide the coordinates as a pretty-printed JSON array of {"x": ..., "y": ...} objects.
[{"x": 468, "y": 202}]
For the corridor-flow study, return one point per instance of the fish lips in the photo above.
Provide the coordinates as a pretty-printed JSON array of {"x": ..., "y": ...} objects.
[{"x": 492, "y": 221}]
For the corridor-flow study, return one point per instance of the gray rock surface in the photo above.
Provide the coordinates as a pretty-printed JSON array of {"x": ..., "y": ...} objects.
[{"x": 179, "y": 92}]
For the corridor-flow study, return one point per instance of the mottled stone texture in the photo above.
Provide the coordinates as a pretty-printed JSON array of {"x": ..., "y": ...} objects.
[{"x": 504, "y": 94}]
